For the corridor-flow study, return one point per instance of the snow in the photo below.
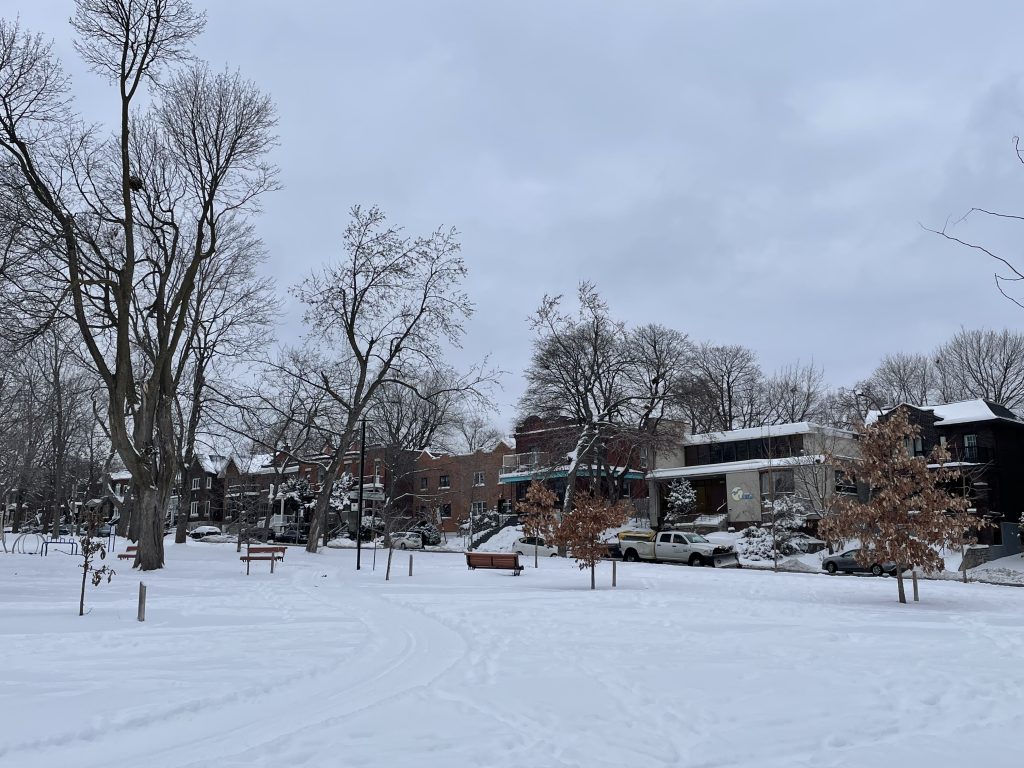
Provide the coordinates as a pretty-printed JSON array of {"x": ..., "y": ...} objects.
[
  {"x": 962, "y": 412},
  {"x": 748, "y": 465},
  {"x": 761, "y": 433},
  {"x": 321, "y": 665}
]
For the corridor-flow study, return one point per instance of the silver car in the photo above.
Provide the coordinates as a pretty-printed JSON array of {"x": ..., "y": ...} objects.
[
  {"x": 406, "y": 540},
  {"x": 847, "y": 563}
]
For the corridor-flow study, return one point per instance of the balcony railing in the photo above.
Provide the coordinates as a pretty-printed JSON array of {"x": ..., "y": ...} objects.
[{"x": 517, "y": 463}]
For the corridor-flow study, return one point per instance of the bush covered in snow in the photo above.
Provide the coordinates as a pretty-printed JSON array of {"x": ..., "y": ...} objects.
[
  {"x": 681, "y": 501},
  {"x": 755, "y": 544}
]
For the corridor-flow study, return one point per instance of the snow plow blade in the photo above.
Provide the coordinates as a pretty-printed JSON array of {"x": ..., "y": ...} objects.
[{"x": 730, "y": 560}]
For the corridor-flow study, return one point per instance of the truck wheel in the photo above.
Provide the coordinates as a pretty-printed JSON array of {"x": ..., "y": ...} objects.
[
  {"x": 631, "y": 556},
  {"x": 696, "y": 561}
]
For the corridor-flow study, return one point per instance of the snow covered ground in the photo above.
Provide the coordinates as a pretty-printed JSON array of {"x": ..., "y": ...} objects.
[{"x": 320, "y": 665}]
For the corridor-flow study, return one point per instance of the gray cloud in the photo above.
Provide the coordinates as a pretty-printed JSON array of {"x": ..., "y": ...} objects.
[{"x": 748, "y": 173}]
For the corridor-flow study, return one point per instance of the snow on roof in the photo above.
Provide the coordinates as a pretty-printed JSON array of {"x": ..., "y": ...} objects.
[
  {"x": 960, "y": 412},
  {"x": 700, "y": 470},
  {"x": 254, "y": 463},
  {"x": 121, "y": 474},
  {"x": 211, "y": 463},
  {"x": 763, "y": 433}
]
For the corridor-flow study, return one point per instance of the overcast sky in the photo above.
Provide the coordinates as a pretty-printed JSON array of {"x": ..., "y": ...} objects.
[{"x": 750, "y": 173}]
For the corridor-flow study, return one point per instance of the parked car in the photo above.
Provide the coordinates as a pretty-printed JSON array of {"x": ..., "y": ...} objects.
[
  {"x": 847, "y": 563},
  {"x": 202, "y": 531},
  {"x": 254, "y": 533},
  {"x": 527, "y": 544},
  {"x": 407, "y": 540},
  {"x": 431, "y": 535},
  {"x": 292, "y": 535},
  {"x": 677, "y": 547}
]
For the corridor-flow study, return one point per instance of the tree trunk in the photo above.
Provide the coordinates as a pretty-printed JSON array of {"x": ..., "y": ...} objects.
[
  {"x": 85, "y": 573},
  {"x": 593, "y": 575},
  {"x": 899, "y": 583},
  {"x": 147, "y": 521},
  {"x": 184, "y": 512}
]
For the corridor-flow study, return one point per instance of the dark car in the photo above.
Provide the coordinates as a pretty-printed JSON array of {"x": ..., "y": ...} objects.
[
  {"x": 254, "y": 533},
  {"x": 292, "y": 535},
  {"x": 847, "y": 562}
]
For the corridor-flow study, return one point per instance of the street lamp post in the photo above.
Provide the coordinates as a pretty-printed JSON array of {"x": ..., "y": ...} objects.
[{"x": 359, "y": 511}]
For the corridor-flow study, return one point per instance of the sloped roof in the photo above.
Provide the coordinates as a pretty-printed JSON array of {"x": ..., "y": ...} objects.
[
  {"x": 760, "y": 433},
  {"x": 961, "y": 412},
  {"x": 211, "y": 463}
]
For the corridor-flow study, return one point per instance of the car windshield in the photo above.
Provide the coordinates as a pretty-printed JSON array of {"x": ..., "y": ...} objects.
[
  {"x": 850, "y": 553},
  {"x": 695, "y": 538}
]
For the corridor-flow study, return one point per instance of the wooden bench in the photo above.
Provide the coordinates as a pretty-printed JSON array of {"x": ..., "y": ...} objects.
[
  {"x": 496, "y": 560},
  {"x": 129, "y": 553},
  {"x": 262, "y": 554}
]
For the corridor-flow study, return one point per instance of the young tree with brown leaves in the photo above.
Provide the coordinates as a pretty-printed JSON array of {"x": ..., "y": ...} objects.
[
  {"x": 909, "y": 512},
  {"x": 580, "y": 529},
  {"x": 539, "y": 517}
]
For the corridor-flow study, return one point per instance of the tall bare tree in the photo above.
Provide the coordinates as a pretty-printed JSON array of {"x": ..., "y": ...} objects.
[
  {"x": 381, "y": 314},
  {"x": 982, "y": 363},
  {"x": 121, "y": 225}
]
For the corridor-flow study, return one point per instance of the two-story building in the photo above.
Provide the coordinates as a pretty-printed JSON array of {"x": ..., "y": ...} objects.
[
  {"x": 448, "y": 487},
  {"x": 736, "y": 473},
  {"x": 986, "y": 442}
]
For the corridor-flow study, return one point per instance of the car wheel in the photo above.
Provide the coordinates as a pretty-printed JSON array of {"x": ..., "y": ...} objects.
[
  {"x": 401, "y": 546},
  {"x": 876, "y": 570},
  {"x": 831, "y": 568},
  {"x": 696, "y": 561},
  {"x": 553, "y": 554}
]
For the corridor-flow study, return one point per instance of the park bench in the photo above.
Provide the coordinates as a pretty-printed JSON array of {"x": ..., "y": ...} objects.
[
  {"x": 128, "y": 554},
  {"x": 496, "y": 560},
  {"x": 262, "y": 554}
]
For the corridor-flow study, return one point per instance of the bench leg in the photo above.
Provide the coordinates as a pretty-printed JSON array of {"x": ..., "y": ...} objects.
[
  {"x": 272, "y": 559},
  {"x": 247, "y": 564}
]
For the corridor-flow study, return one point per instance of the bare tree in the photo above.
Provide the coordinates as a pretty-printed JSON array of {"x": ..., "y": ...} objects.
[
  {"x": 982, "y": 363},
  {"x": 724, "y": 390},
  {"x": 477, "y": 433},
  {"x": 123, "y": 225},
  {"x": 795, "y": 393},
  {"x": 384, "y": 310},
  {"x": 901, "y": 378}
]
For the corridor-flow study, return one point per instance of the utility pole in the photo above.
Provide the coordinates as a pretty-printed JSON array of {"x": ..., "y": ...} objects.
[
  {"x": 359, "y": 511},
  {"x": 771, "y": 500}
]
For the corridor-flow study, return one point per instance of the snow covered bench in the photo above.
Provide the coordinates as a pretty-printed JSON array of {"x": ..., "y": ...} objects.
[
  {"x": 495, "y": 560},
  {"x": 262, "y": 554},
  {"x": 129, "y": 553}
]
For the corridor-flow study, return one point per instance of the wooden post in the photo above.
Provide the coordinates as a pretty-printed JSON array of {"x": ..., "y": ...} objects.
[
  {"x": 142, "y": 601},
  {"x": 613, "y": 572},
  {"x": 387, "y": 573},
  {"x": 913, "y": 575},
  {"x": 410, "y": 565}
]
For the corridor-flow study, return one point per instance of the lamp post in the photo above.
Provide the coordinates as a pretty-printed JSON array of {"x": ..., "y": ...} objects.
[{"x": 359, "y": 510}]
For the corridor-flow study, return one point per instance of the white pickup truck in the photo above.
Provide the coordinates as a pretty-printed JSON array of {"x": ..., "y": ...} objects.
[{"x": 676, "y": 547}]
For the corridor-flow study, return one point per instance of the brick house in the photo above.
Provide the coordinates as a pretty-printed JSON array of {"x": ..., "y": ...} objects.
[
  {"x": 203, "y": 494},
  {"x": 448, "y": 487}
]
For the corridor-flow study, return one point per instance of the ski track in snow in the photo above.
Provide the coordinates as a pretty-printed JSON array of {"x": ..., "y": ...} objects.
[{"x": 318, "y": 665}]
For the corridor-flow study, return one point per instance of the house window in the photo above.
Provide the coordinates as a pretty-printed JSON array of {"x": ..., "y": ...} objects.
[
  {"x": 209, "y": 483},
  {"x": 206, "y": 509},
  {"x": 446, "y": 510},
  {"x": 423, "y": 511},
  {"x": 783, "y": 480},
  {"x": 423, "y": 483},
  {"x": 193, "y": 509},
  {"x": 844, "y": 483},
  {"x": 443, "y": 482},
  {"x": 478, "y": 478},
  {"x": 970, "y": 447},
  {"x": 376, "y": 469},
  {"x": 478, "y": 507}
]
